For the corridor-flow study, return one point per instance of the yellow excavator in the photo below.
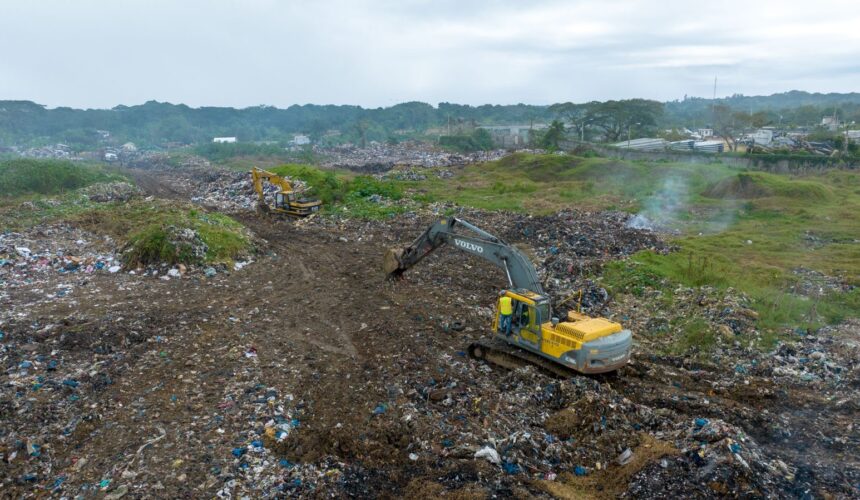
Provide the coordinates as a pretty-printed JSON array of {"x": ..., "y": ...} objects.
[
  {"x": 286, "y": 200},
  {"x": 580, "y": 343}
]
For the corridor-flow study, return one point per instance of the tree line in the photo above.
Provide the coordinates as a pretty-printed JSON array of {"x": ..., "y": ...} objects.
[{"x": 157, "y": 124}]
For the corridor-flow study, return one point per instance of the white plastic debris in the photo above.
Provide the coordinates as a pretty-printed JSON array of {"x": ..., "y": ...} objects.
[
  {"x": 490, "y": 454},
  {"x": 625, "y": 457}
]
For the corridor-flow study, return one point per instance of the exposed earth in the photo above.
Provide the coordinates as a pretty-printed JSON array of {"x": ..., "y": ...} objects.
[{"x": 306, "y": 373}]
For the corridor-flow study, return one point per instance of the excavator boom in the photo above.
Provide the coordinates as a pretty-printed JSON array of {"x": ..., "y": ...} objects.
[{"x": 520, "y": 272}]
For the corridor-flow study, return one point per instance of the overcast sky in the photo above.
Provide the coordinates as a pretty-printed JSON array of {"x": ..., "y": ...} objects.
[{"x": 89, "y": 53}]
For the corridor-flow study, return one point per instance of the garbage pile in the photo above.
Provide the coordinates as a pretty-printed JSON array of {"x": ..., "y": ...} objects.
[
  {"x": 829, "y": 357},
  {"x": 811, "y": 283},
  {"x": 30, "y": 257},
  {"x": 230, "y": 191},
  {"x": 153, "y": 160},
  {"x": 402, "y": 173},
  {"x": 378, "y": 158},
  {"x": 111, "y": 191}
]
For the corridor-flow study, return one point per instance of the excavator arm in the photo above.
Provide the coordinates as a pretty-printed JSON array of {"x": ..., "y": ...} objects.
[
  {"x": 259, "y": 175},
  {"x": 518, "y": 269}
]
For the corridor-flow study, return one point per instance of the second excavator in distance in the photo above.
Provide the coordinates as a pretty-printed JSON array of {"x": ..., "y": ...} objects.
[
  {"x": 579, "y": 342},
  {"x": 287, "y": 201}
]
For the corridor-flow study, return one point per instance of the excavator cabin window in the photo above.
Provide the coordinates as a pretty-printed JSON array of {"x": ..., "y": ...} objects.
[{"x": 521, "y": 314}]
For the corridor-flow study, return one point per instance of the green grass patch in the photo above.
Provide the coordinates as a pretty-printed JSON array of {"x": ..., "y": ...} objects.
[
  {"x": 160, "y": 231},
  {"x": 546, "y": 183},
  {"x": 21, "y": 177},
  {"x": 346, "y": 193}
]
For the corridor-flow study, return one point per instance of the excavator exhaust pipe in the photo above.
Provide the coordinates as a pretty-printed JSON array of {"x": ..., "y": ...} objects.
[{"x": 391, "y": 262}]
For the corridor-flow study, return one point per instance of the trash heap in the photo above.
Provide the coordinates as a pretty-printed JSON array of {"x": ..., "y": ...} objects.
[
  {"x": 28, "y": 257},
  {"x": 405, "y": 173},
  {"x": 111, "y": 192},
  {"x": 378, "y": 158},
  {"x": 232, "y": 191},
  {"x": 829, "y": 357}
]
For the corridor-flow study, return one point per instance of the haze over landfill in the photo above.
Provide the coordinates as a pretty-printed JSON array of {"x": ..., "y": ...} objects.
[
  {"x": 468, "y": 249},
  {"x": 239, "y": 54}
]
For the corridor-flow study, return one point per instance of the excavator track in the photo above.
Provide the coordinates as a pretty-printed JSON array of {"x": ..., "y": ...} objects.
[{"x": 499, "y": 353}]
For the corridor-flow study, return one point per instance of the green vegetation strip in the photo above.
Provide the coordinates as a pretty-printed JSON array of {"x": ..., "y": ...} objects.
[
  {"x": 158, "y": 231},
  {"x": 27, "y": 177},
  {"x": 360, "y": 196}
]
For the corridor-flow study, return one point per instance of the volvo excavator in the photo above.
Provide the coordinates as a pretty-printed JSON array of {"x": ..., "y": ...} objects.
[
  {"x": 287, "y": 201},
  {"x": 579, "y": 342}
]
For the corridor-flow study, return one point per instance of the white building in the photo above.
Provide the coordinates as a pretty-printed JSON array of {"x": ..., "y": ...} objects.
[
  {"x": 705, "y": 132},
  {"x": 512, "y": 135},
  {"x": 224, "y": 140},
  {"x": 762, "y": 136},
  {"x": 831, "y": 123},
  {"x": 301, "y": 140}
]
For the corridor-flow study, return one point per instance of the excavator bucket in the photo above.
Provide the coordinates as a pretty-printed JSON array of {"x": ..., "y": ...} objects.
[{"x": 391, "y": 261}]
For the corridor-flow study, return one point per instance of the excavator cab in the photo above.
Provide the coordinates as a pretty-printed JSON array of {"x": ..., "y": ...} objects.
[{"x": 525, "y": 318}]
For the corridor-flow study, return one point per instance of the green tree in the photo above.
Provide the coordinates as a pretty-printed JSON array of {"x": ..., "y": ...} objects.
[
  {"x": 615, "y": 118},
  {"x": 728, "y": 124},
  {"x": 553, "y": 135},
  {"x": 575, "y": 114}
]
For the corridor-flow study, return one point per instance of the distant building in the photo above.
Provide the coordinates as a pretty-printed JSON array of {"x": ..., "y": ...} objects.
[
  {"x": 643, "y": 144},
  {"x": 830, "y": 123},
  {"x": 508, "y": 136},
  {"x": 709, "y": 146},
  {"x": 224, "y": 140},
  {"x": 129, "y": 147},
  {"x": 300, "y": 140},
  {"x": 705, "y": 132},
  {"x": 854, "y": 135},
  {"x": 111, "y": 157},
  {"x": 762, "y": 136}
]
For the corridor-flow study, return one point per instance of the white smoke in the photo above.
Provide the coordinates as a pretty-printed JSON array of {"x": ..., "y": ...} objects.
[
  {"x": 663, "y": 209},
  {"x": 669, "y": 209}
]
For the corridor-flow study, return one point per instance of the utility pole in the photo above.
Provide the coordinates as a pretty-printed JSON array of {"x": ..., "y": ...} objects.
[{"x": 714, "y": 105}]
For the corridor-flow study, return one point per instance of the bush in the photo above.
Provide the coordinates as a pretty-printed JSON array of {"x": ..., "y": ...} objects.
[
  {"x": 365, "y": 186},
  {"x": 25, "y": 176}
]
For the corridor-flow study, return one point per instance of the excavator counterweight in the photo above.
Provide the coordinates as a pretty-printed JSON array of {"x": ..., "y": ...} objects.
[{"x": 580, "y": 342}]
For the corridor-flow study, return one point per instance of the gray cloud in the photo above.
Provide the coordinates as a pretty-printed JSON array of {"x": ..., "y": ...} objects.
[{"x": 90, "y": 53}]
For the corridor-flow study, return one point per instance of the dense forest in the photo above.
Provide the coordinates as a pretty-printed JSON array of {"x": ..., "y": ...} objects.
[{"x": 156, "y": 124}]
